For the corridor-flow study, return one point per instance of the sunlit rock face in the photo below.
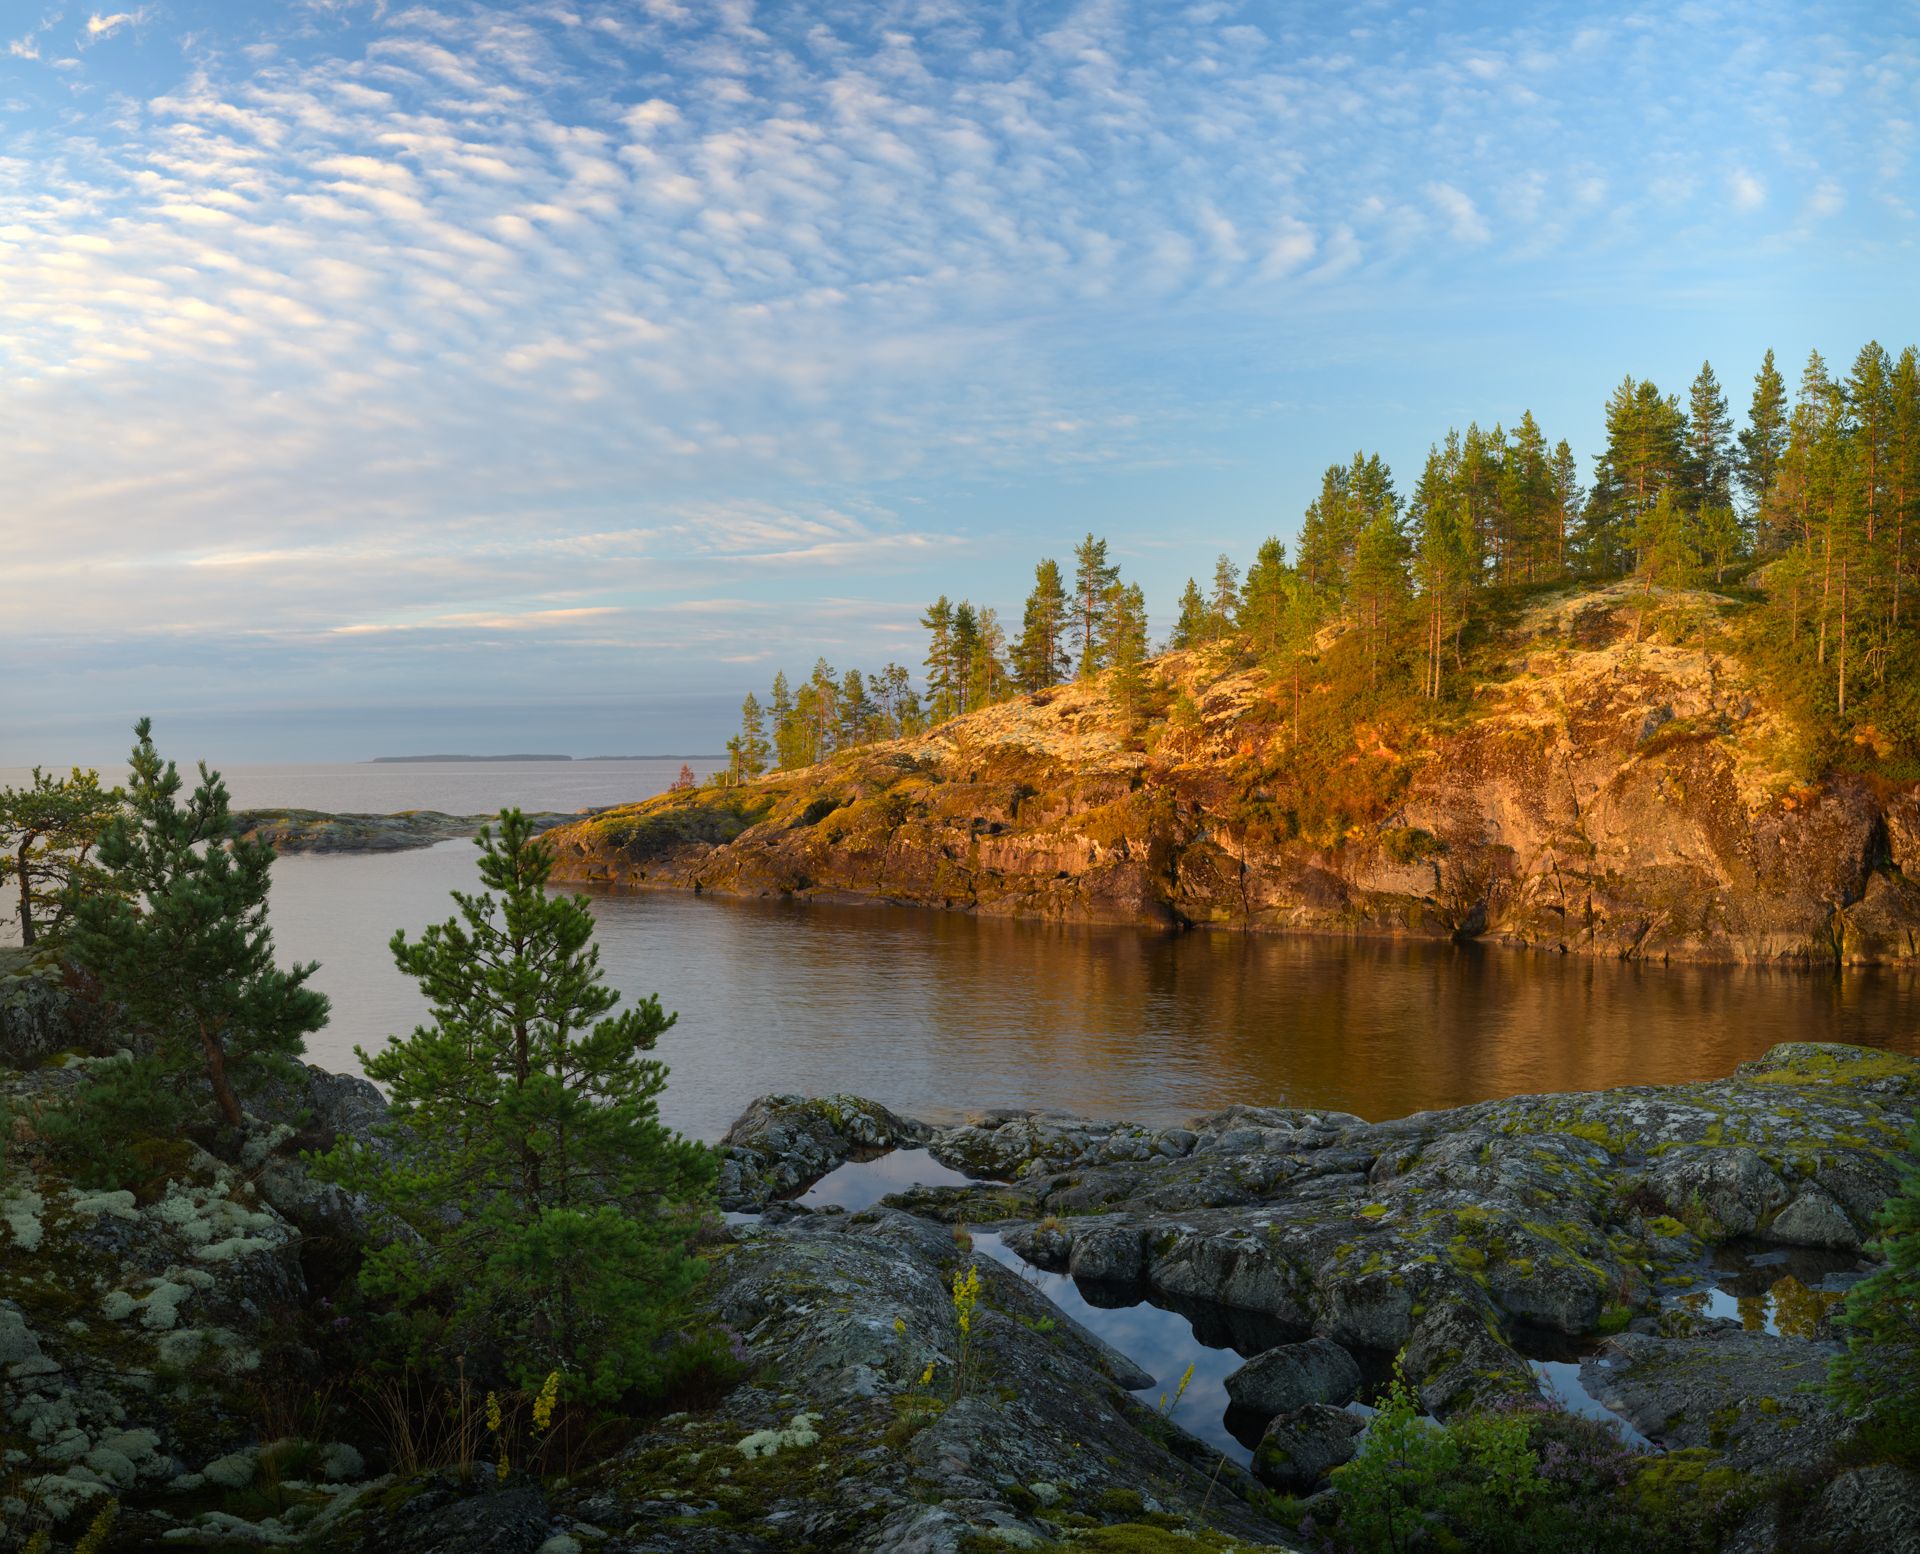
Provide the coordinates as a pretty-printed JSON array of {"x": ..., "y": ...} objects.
[{"x": 1610, "y": 793}]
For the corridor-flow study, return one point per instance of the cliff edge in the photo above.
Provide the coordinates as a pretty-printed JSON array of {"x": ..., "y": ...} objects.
[{"x": 1600, "y": 791}]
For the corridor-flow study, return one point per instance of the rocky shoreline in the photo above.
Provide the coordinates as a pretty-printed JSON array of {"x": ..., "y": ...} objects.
[
  {"x": 322, "y": 831},
  {"x": 135, "y": 1331},
  {"x": 1608, "y": 795}
]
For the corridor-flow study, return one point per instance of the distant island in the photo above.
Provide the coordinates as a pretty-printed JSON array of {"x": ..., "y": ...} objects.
[{"x": 404, "y": 760}]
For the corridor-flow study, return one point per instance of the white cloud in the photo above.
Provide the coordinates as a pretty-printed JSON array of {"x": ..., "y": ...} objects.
[
  {"x": 427, "y": 311},
  {"x": 1462, "y": 215},
  {"x": 101, "y": 27}
]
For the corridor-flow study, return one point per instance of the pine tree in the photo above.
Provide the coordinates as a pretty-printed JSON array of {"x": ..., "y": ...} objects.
[
  {"x": 177, "y": 936},
  {"x": 1093, "y": 579},
  {"x": 548, "y": 1211},
  {"x": 942, "y": 692},
  {"x": 1265, "y": 596},
  {"x": 1226, "y": 597},
  {"x": 1190, "y": 626},
  {"x": 899, "y": 704},
  {"x": 48, "y": 831},
  {"x": 1645, "y": 456},
  {"x": 1378, "y": 583},
  {"x": 1763, "y": 442},
  {"x": 1709, "y": 434},
  {"x": 856, "y": 713},
  {"x": 1568, "y": 501},
  {"x": 1904, "y": 472},
  {"x": 991, "y": 676},
  {"x": 1527, "y": 499},
  {"x": 788, "y": 735},
  {"x": 1126, "y": 634},
  {"x": 749, "y": 750},
  {"x": 1446, "y": 556},
  {"x": 1665, "y": 538},
  {"x": 819, "y": 702},
  {"x": 1879, "y": 1374},
  {"x": 1040, "y": 658}
]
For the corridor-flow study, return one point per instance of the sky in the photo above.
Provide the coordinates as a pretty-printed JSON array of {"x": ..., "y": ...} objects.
[{"x": 544, "y": 374}]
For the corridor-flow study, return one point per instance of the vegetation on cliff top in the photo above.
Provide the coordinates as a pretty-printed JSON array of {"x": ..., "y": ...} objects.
[{"x": 1382, "y": 608}]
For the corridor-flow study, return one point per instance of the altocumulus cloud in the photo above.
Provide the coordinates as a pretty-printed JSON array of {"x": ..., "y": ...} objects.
[{"x": 498, "y": 319}]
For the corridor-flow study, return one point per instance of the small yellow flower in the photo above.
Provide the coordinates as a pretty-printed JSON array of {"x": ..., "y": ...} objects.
[
  {"x": 493, "y": 1414},
  {"x": 500, "y": 1468},
  {"x": 899, "y": 1325},
  {"x": 543, "y": 1405},
  {"x": 927, "y": 1374},
  {"x": 966, "y": 1296}
]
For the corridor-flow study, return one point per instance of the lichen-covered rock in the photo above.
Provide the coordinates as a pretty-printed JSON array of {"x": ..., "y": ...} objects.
[
  {"x": 1757, "y": 1399},
  {"x": 839, "y": 1318},
  {"x": 1294, "y": 1375},
  {"x": 1876, "y": 1507},
  {"x": 1458, "y": 1361},
  {"x": 1813, "y": 1219},
  {"x": 783, "y": 1143},
  {"x": 1721, "y": 1192},
  {"x": 1301, "y": 1447}
]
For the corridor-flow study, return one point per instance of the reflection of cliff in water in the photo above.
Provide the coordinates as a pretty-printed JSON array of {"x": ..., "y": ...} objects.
[{"x": 941, "y": 1013}]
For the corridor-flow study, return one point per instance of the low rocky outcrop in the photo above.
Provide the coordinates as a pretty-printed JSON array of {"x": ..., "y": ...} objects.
[
  {"x": 322, "y": 831},
  {"x": 1611, "y": 793},
  {"x": 1466, "y": 1240},
  {"x": 1291, "y": 1376},
  {"x": 782, "y": 1143},
  {"x": 136, "y": 1328},
  {"x": 1301, "y": 1447}
]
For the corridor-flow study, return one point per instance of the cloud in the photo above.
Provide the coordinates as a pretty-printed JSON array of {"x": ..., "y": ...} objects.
[
  {"x": 27, "y": 45},
  {"x": 1462, "y": 215},
  {"x": 442, "y": 312},
  {"x": 101, "y": 27}
]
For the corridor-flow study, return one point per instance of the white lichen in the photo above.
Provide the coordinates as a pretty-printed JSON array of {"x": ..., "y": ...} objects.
[
  {"x": 340, "y": 1461},
  {"x": 254, "y": 1152},
  {"x": 92, "y": 1205},
  {"x": 764, "y": 1443},
  {"x": 235, "y": 1470},
  {"x": 22, "y": 1215}
]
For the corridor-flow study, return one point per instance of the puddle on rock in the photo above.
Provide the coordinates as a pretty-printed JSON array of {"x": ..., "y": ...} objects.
[
  {"x": 1163, "y": 1343},
  {"x": 1786, "y": 1291},
  {"x": 860, "y": 1184},
  {"x": 1561, "y": 1382}
]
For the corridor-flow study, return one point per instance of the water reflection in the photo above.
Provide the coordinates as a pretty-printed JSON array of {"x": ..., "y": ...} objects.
[
  {"x": 935, "y": 1013},
  {"x": 1786, "y": 1291},
  {"x": 859, "y": 1184},
  {"x": 1163, "y": 1343}
]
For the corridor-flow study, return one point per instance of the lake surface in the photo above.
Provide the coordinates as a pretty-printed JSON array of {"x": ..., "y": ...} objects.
[{"x": 940, "y": 1013}]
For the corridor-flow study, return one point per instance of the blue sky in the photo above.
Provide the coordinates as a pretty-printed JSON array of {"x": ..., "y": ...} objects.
[{"x": 380, "y": 376}]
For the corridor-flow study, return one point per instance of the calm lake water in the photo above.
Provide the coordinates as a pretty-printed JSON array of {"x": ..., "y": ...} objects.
[{"x": 938, "y": 1013}]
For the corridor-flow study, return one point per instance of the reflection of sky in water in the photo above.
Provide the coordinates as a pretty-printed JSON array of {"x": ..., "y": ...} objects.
[
  {"x": 1560, "y": 1380},
  {"x": 1160, "y": 1342},
  {"x": 1773, "y": 1290},
  {"x": 859, "y": 1184}
]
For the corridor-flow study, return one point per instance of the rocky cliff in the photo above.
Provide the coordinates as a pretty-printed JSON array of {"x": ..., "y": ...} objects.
[{"x": 1602, "y": 793}]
